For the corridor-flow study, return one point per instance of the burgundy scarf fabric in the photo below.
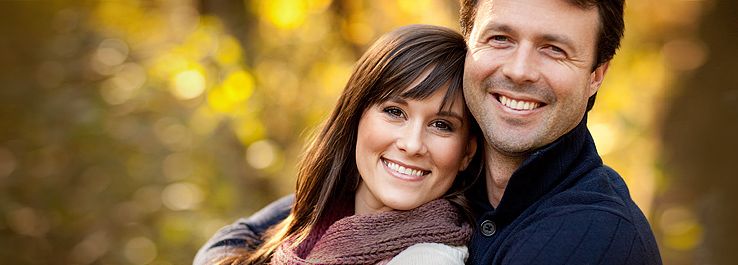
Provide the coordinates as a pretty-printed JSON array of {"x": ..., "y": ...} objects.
[{"x": 369, "y": 239}]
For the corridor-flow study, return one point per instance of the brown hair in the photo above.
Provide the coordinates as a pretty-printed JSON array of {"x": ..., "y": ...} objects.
[
  {"x": 611, "y": 27},
  {"x": 327, "y": 172}
]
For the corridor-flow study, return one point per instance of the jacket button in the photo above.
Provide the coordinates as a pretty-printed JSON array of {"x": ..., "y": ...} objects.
[{"x": 488, "y": 228}]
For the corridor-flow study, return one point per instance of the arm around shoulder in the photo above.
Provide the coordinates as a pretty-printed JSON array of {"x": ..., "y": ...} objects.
[{"x": 244, "y": 234}]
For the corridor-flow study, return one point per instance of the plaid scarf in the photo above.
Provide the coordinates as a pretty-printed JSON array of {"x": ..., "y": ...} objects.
[{"x": 373, "y": 238}]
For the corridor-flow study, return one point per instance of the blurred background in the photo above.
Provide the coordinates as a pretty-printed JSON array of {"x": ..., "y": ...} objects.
[{"x": 130, "y": 131}]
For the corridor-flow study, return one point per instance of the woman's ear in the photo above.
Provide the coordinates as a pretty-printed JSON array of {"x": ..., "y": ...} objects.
[{"x": 471, "y": 149}]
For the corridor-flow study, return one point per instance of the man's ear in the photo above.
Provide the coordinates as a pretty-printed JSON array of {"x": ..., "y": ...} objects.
[
  {"x": 596, "y": 78},
  {"x": 471, "y": 149}
]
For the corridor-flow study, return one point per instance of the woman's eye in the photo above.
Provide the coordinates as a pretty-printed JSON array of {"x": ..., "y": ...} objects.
[
  {"x": 443, "y": 125},
  {"x": 394, "y": 112}
]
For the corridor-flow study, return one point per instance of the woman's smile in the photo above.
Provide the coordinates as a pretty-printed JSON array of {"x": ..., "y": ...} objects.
[{"x": 403, "y": 171}]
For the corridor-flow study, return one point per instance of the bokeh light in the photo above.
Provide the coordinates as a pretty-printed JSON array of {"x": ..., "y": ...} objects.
[
  {"x": 91, "y": 248},
  {"x": 188, "y": 84},
  {"x": 182, "y": 196},
  {"x": 111, "y": 52},
  {"x": 261, "y": 154},
  {"x": 140, "y": 250},
  {"x": 27, "y": 221},
  {"x": 681, "y": 228}
]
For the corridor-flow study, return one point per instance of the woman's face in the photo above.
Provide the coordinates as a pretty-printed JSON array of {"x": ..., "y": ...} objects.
[{"x": 408, "y": 153}]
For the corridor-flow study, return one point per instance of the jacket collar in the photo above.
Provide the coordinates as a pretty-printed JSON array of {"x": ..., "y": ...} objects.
[{"x": 550, "y": 168}]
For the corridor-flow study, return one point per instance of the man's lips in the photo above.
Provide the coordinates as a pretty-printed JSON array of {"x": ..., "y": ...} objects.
[{"x": 518, "y": 104}]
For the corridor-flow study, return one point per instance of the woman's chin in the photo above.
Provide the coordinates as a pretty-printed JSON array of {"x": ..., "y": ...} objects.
[{"x": 404, "y": 204}]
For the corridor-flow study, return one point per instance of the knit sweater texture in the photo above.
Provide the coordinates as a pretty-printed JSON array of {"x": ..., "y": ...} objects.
[{"x": 372, "y": 238}]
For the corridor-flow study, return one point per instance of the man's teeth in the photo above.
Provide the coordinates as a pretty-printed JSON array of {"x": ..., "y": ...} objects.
[
  {"x": 518, "y": 105},
  {"x": 404, "y": 170}
]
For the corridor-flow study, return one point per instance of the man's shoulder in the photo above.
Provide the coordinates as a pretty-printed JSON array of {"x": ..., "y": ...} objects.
[
  {"x": 593, "y": 216},
  {"x": 580, "y": 234},
  {"x": 599, "y": 192},
  {"x": 601, "y": 187}
]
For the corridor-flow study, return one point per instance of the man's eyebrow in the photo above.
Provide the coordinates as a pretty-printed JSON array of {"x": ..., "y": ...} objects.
[
  {"x": 498, "y": 27},
  {"x": 558, "y": 38}
]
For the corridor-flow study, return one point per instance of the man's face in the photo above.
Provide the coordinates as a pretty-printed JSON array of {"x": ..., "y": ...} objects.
[{"x": 528, "y": 72}]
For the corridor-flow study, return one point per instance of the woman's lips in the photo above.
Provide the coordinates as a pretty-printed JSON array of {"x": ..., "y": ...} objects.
[{"x": 404, "y": 171}]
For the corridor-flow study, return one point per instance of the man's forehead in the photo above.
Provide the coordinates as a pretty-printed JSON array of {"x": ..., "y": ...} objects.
[
  {"x": 535, "y": 8},
  {"x": 547, "y": 15}
]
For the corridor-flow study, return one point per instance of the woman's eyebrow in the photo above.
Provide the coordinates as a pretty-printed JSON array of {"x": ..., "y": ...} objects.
[
  {"x": 398, "y": 100},
  {"x": 452, "y": 114}
]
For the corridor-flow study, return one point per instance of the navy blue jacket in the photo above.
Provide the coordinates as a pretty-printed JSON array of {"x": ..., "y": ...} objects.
[{"x": 562, "y": 206}]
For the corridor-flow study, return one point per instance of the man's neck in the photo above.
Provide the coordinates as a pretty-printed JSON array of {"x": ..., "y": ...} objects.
[{"x": 500, "y": 168}]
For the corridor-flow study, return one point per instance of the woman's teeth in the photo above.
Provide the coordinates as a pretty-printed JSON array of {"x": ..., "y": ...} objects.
[{"x": 404, "y": 170}]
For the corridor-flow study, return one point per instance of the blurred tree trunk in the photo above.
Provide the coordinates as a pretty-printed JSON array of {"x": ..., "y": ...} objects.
[{"x": 701, "y": 137}]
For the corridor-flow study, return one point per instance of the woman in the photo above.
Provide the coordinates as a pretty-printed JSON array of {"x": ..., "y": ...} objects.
[{"x": 378, "y": 184}]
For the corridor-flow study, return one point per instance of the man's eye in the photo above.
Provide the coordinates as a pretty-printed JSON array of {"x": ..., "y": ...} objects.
[
  {"x": 556, "y": 51},
  {"x": 499, "y": 38}
]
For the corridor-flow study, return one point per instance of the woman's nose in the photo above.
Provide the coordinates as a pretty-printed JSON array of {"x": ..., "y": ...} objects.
[{"x": 411, "y": 140}]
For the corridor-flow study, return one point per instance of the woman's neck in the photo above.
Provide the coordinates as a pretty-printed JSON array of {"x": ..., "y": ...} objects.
[{"x": 365, "y": 203}]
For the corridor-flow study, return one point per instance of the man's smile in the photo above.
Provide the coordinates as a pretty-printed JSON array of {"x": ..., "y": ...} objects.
[{"x": 518, "y": 104}]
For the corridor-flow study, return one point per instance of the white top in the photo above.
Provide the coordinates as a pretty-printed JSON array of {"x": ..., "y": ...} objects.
[{"x": 431, "y": 254}]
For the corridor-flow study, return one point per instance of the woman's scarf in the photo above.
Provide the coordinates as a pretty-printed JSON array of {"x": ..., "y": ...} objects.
[{"x": 371, "y": 238}]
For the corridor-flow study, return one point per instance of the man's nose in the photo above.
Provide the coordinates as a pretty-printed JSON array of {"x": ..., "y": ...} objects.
[{"x": 521, "y": 66}]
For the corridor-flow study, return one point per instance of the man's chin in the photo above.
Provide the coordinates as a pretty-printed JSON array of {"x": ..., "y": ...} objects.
[{"x": 513, "y": 148}]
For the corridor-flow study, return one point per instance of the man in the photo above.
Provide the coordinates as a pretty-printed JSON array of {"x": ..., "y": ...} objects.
[{"x": 532, "y": 71}]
